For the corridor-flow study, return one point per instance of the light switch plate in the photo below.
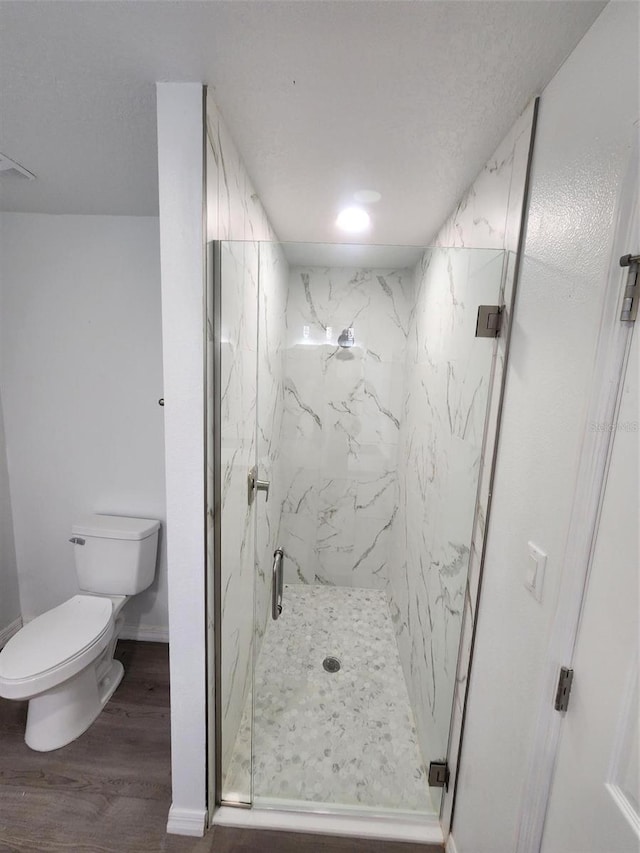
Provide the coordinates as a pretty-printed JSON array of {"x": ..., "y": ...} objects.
[{"x": 534, "y": 573}]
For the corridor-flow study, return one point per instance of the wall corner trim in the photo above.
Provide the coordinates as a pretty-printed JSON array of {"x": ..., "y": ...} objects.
[
  {"x": 191, "y": 822},
  {"x": 450, "y": 846},
  {"x": 7, "y": 633}
]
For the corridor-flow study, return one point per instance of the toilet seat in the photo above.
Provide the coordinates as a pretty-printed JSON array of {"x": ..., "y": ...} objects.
[{"x": 55, "y": 646}]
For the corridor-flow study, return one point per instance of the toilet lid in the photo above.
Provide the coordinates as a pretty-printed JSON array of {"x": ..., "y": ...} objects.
[{"x": 56, "y": 636}]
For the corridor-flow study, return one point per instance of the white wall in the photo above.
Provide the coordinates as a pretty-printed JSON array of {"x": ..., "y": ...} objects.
[
  {"x": 581, "y": 152},
  {"x": 81, "y": 370},
  {"x": 181, "y": 173},
  {"x": 9, "y": 592}
]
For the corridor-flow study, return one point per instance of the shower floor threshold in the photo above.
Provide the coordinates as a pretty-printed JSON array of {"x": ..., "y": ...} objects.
[
  {"x": 360, "y": 823},
  {"x": 348, "y": 810}
]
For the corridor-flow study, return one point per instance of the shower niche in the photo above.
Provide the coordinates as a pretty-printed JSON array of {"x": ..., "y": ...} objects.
[{"x": 350, "y": 378}]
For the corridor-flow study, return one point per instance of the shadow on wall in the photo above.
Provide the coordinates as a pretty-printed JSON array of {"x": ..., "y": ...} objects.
[{"x": 9, "y": 590}]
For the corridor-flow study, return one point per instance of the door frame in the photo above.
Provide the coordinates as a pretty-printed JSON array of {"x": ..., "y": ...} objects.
[{"x": 614, "y": 341}]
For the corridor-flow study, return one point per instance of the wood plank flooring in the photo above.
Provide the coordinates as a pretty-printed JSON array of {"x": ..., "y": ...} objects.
[{"x": 110, "y": 790}]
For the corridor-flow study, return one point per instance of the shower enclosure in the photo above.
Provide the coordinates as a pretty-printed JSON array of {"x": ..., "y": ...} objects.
[{"x": 348, "y": 396}]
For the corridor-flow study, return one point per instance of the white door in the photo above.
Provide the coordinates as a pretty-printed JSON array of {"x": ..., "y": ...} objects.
[{"x": 594, "y": 805}]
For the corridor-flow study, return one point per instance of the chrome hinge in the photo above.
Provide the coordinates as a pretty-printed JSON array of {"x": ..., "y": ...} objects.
[
  {"x": 438, "y": 774},
  {"x": 565, "y": 680},
  {"x": 630, "y": 298},
  {"x": 489, "y": 321}
]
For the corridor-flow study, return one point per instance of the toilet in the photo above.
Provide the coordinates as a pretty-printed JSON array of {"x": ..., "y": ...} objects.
[{"x": 62, "y": 661}]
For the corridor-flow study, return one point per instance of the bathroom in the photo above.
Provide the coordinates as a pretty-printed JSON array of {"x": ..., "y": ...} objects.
[{"x": 103, "y": 365}]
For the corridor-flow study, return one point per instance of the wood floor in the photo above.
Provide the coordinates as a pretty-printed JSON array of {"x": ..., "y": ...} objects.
[{"x": 110, "y": 790}]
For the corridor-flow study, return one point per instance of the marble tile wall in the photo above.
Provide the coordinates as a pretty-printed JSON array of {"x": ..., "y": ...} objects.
[
  {"x": 274, "y": 279},
  {"x": 238, "y": 453},
  {"x": 234, "y": 214},
  {"x": 341, "y": 422},
  {"x": 441, "y": 435},
  {"x": 447, "y": 434}
]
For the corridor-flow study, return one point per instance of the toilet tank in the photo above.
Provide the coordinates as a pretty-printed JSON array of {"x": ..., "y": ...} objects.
[{"x": 115, "y": 555}]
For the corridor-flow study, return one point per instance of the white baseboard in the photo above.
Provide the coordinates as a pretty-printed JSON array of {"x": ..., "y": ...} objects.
[
  {"x": 144, "y": 633},
  {"x": 187, "y": 822},
  {"x": 451, "y": 845},
  {"x": 7, "y": 633},
  {"x": 386, "y": 829}
]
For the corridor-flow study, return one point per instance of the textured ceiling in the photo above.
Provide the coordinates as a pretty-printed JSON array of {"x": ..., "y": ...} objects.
[{"x": 322, "y": 98}]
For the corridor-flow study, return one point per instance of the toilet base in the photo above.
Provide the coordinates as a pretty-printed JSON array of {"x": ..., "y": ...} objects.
[{"x": 62, "y": 714}]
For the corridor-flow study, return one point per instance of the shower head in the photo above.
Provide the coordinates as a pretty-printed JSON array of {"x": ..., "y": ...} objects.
[{"x": 346, "y": 338}]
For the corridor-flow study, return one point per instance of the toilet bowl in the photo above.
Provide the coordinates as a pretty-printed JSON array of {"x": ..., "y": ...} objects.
[{"x": 62, "y": 661}]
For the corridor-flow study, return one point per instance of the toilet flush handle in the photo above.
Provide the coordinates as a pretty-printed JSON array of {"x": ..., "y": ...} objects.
[{"x": 77, "y": 540}]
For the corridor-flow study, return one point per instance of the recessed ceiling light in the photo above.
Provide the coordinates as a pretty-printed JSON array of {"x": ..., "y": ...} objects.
[
  {"x": 353, "y": 219},
  {"x": 367, "y": 196}
]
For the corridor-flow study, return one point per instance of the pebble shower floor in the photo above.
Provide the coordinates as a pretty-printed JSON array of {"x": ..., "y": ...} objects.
[{"x": 339, "y": 738}]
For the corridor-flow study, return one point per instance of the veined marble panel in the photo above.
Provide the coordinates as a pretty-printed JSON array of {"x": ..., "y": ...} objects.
[
  {"x": 254, "y": 278},
  {"x": 488, "y": 216},
  {"x": 252, "y": 331},
  {"x": 239, "y": 315},
  {"x": 433, "y": 586},
  {"x": 341, "y": 422},
  {"x": 518, "y": 140},
  {"x": 441, "y": 438},
  {"x": 273, "y": 282}
]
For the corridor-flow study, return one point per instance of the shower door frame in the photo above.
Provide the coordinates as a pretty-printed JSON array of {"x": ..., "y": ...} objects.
[{"x": 213, "y": 526}]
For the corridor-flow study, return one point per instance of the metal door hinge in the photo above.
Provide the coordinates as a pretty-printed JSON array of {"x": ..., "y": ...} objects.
[
  {"x": 630, "y": 298},
  {"x": 489, "y": 321},
  {"x": 565, "y": 680},
  {"x": 438, "y": 774}
]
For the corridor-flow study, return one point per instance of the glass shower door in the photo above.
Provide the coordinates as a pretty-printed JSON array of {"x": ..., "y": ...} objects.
[
  {"x": 447, "y": 391},
  {"x": 353, "y": 385},
  {"x": 237, "y": 320}
]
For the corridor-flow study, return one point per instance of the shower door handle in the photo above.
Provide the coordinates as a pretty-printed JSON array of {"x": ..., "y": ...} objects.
[
  {"x": 263, "y": 486},
  {"x": 256, "y": 485},
  {"x": 277, "y": 584}
]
